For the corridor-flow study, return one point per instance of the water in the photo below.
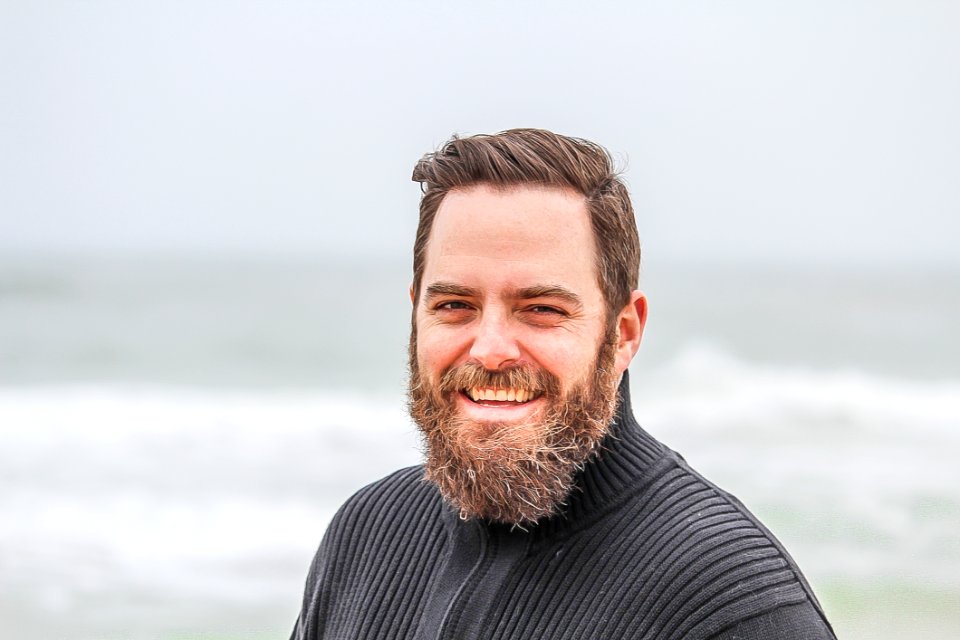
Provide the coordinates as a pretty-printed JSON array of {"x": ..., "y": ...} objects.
[{"x": 175, "y": 434}]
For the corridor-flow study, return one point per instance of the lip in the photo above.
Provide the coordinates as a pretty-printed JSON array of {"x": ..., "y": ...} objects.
[{"x": 494, "y": 411}]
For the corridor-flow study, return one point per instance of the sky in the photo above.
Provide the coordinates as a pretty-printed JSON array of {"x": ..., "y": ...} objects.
[{"x": 813, "y": 133}]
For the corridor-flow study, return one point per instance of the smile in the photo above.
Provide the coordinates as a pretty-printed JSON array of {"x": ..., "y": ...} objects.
[{"x": 519, "y": 396}]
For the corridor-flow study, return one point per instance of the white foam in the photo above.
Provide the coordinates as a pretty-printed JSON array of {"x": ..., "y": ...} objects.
[{"x": 713, "y": 390}]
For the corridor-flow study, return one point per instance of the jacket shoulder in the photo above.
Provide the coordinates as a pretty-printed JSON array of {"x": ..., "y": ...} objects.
[{"x": 719, "y": 564}]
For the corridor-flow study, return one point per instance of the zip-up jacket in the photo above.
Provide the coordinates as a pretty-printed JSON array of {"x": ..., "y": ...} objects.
[{"x": 645, "y": 548}]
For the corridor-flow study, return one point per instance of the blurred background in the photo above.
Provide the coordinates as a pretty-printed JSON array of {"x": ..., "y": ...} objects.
[{"x": 205, "y": 227}]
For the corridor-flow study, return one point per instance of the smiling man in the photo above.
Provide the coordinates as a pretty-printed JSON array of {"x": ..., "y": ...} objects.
[
  {"x": 543, "y": 510},
  {"x": 514, "y": 362}
]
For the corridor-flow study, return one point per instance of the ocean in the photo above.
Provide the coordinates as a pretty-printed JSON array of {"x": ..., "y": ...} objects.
[{"x": 176, "y": 432}]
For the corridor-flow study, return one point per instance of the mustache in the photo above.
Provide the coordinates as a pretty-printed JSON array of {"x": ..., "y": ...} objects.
[{"x": 523, "y": 376}]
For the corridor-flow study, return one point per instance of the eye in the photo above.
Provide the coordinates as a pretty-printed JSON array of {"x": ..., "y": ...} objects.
[
  {"x": 544, "y": 315},
  {"x": 543, "y": 309},
  {"x": 452, "y": 311},
  {"x": 452, "y": 305}
]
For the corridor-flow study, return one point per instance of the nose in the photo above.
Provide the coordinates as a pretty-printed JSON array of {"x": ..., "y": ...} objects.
[{"x": 494, "y": 344}]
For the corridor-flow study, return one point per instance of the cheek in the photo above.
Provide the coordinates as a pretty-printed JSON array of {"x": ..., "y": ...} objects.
[
  {"x": 572, "y": 362},
  {"x": 560, "y": 352},
  {"x": 437, "y": 351}
]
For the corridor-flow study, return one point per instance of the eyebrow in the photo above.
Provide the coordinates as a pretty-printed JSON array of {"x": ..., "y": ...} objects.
[
  {"x": 549, "y": 291},
  {"x": 437, "y": 289}
]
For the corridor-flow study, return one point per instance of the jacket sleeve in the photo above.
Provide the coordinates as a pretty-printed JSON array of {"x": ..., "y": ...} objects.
[{"x": 800, "y": 621}]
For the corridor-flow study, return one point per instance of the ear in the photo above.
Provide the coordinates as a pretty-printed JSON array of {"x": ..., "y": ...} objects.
[
  {"x": 412, "y": 301},
  {"x": 630, "y": 323}
]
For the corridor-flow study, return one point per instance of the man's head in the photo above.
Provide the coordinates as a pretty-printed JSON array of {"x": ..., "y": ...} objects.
[{"x": 525, "y": 316}]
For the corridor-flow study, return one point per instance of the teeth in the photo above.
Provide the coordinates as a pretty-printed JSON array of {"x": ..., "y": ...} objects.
[{"x": 500, "y": 395}]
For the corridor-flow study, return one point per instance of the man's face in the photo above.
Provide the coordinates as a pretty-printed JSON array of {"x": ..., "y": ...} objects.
[{"x": 513, "y": 371}]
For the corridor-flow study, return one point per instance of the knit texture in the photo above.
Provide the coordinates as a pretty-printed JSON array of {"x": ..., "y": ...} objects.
[{"x": 644, "y": 548}]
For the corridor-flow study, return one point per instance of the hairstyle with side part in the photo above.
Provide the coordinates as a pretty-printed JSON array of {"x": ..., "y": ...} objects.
[{"x": 534, "y": 156}]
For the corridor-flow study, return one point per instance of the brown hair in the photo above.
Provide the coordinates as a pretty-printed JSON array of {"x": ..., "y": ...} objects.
[{"x": 536, "y": 156}]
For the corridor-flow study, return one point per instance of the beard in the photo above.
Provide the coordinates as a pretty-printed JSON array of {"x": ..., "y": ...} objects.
[{"x": 514, "y": 473}]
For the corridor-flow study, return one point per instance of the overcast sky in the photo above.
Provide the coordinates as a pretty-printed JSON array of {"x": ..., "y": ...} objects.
[{"x": 807, "y": 132}]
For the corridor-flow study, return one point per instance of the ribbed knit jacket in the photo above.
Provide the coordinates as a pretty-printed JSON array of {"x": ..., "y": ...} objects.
[{"x": 645, "y": 548}]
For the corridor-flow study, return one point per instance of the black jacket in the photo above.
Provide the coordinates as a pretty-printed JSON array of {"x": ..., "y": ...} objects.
[{"x": 645, "y": 548}]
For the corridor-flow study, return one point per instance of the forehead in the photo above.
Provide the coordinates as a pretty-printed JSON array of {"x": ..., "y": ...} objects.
[{"x": 523, "y": 232}]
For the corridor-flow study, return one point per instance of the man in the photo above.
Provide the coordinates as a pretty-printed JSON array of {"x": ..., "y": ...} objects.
[{"x": 543, "y": 510}]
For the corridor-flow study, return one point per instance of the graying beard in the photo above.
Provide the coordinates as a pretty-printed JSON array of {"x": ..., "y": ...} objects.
[{"x": 493, "y": 480}]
